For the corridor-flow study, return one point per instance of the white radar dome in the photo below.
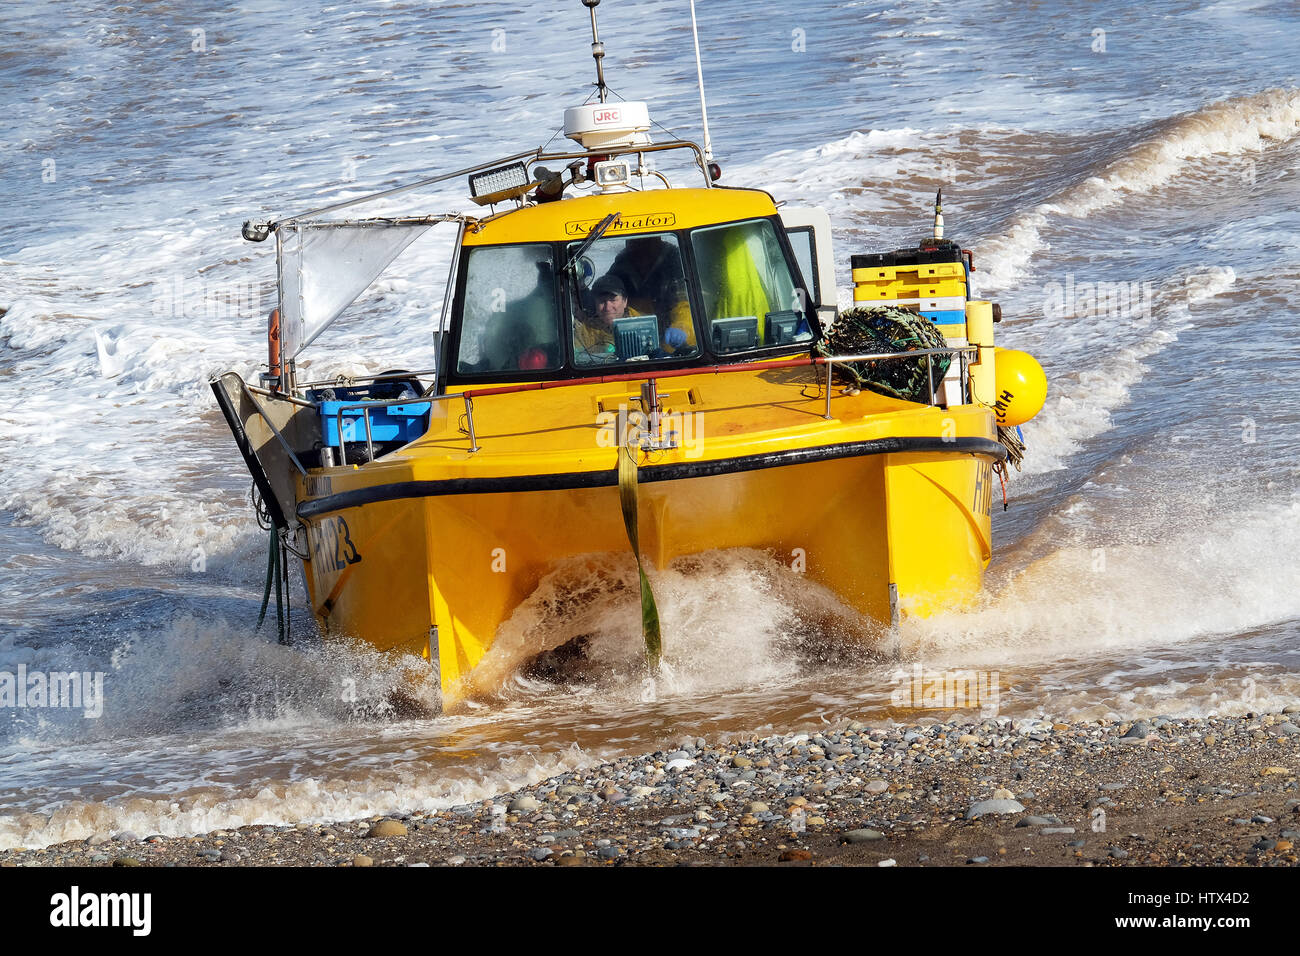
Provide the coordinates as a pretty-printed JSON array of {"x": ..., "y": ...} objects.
[{"x": 600, "y": 125}]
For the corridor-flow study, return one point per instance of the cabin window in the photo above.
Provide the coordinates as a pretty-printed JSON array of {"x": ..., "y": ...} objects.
[
  {"x": 751, "y": 299},
  {"x": 510, "y": 321},
  {"x": 804, "y": 245},
  {"x": 630, "y": 301}
]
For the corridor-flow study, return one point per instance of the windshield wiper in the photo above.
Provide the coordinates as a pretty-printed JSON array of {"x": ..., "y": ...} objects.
[{"x": 599, "y": 230}]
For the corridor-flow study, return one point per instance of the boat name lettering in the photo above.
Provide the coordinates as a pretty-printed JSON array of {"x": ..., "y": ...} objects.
[{"x": 649, "y": 220}]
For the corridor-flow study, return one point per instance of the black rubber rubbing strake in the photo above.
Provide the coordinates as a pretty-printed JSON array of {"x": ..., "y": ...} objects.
[{"x": 649, "y": 473}]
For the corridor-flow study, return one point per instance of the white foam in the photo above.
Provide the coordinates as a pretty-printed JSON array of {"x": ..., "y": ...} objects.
[
  {"x": 701, "y": 599},
  {"x": 284, "y": 804},
  {"x": 1218, "y": 574}
]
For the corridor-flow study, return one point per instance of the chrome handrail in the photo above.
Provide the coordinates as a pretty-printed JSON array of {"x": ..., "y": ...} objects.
[
  {"x": 346, "y": 380},
  {"x": 365, "y": 406},
  {"x": 964, "y": 352}
]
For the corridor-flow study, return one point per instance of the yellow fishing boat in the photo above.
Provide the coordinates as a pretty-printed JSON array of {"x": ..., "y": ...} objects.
[{"x": 645, "y": 366}]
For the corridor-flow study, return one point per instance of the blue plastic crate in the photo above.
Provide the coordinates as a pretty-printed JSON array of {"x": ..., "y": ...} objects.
[
  {"x": 403, "y": 423},
  {"x": 946, "y": 317}
]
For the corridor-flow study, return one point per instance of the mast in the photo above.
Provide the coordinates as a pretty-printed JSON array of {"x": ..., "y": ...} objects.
[{"x": 597, "y": 49}]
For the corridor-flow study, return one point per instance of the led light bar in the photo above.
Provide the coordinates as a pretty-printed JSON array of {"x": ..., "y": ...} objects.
[{"x": 497, "y": 185}]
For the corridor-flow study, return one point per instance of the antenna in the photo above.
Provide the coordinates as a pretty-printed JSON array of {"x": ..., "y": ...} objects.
[
  {"x": 699, "y": 72},
  {"x": 597, "y": 48}
]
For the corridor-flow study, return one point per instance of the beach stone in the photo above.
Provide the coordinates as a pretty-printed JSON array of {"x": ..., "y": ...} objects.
[
  {"x": 524, "y": 804},
  {"x": 1046, "y": 831},
  {"x": 126, "y": 836},
  {"x": 1288, "y": 729},
  {"x": 97, "y": 839},
  {"x": 1038, "y": 821},
  {"x": 861, "y": 836},
  {"x": 679, "y": 763},
  {"x": 757, "y": 807},
  {"x": 892, "y": 862},
  {"x": 541, "y": 853},
  {"x": 1140, "y": 728},
  {"x": 996, "y": 806},
  {"x": 455, "y": 860},
  {"x": 978, "y": 859},
  {"x": 387, "y": 828},
  {"x": 1291, "y": 709},
  {"x": 741, "y": 762},
  {"x": 1117, "y": 853},
  {"x": 1209, "y": 740},
  {"x": 1260, "y": 818},
  {"x": 126, "y": 861},
  {"x": 875, "y": 786},
  {"x": 362, "y": 860},
  {"x": 1002, "y": 793},
  {"x": 609, "y": 853},
  {"x": 1265, "y": 843}
]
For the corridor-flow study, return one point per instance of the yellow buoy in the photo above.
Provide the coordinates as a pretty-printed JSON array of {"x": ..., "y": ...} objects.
[{"x": 1021, "y": 387}]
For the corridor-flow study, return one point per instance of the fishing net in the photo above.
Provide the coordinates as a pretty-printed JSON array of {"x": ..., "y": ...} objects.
[{"x": 886, "y": 328}]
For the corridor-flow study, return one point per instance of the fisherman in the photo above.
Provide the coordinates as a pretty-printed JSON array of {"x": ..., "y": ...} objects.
[{"x": 593, "y": 333}]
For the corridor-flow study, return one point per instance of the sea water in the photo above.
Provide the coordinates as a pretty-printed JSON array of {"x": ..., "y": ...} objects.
[{"x": 1126, "y": 176}]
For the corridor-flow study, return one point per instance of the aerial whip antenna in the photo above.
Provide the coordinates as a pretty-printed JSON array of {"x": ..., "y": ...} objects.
[{"x": 699, "y": 72}]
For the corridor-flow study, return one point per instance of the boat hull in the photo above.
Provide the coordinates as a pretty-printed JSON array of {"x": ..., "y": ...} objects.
[{"x": 893, "y": 527}]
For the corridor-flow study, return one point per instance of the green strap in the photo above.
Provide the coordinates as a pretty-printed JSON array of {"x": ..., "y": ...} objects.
[
  {"x": 270, "y": 572},
  {"x": 627, "y": 484},
  {"x": 275, "y": 571}
]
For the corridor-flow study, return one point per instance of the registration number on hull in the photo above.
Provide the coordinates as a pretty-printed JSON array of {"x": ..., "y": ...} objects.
[{"x": 332, "y": 547}]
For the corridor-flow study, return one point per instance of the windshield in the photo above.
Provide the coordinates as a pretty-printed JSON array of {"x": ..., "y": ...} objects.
[
  {"x": 510, "y": 321},
  {"x": 750, "y": 298},
  {"x": 629, "y": 301}
]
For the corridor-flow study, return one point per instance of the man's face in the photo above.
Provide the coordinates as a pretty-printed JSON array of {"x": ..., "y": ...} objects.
[{"x": 610, "y": 306}]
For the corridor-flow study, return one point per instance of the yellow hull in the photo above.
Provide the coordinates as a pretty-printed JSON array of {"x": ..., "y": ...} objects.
[{"x": 431, "y": 548}]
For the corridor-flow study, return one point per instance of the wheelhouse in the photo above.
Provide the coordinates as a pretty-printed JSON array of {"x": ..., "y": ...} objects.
[{"x": 626, "y": 282}]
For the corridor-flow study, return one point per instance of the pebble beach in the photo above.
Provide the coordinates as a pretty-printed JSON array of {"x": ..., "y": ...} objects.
[{"x": 1162, "y": 791}]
